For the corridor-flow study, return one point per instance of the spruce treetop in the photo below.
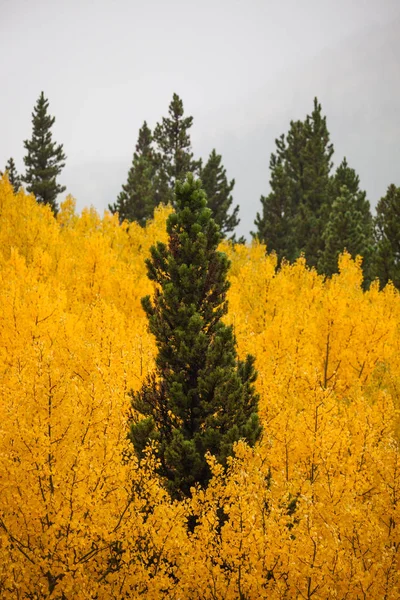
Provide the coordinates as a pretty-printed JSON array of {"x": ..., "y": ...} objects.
[
  {"x": 315, "y": 204},
  {"x": 174, "y": 146},
  {"x": 296, "y": 211},
  {"x": 139, "y": 195},
  {"x": 359, "y": 207},
  {"x": 12, "y": 173},
  {"x": 347, "y": 176},
  {"x": 219, "y": 194},
  {"x": 344, "y": 231},
  {"x": 275, "y": 224},
  {"x": 45, "y": 159}
]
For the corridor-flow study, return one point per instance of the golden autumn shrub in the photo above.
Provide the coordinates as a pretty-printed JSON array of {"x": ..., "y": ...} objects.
[{"x": 311, "y": 512}]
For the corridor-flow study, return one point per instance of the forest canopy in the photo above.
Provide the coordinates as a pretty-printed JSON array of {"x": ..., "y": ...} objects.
[{"x": 311, "y": 511}]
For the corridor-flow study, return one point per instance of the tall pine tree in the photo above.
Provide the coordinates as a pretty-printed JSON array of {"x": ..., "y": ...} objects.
[
  {"x": 44, "y": 160},
  {"x": 201, "y": 397},
  {"x": 174, "y": 150},
  {"x": 345, "y": 231},
  {"x": 140, "y": 194},
  {"x": 219, "y": 194},
  {"x": 387, "y": 232},
  {"x": 13, "y": 176},
  {"x": 314, "y": 178},
  {"x": 275, "y": 224},
  {"x": 297, "y": 209},
  {"x": 346, "y": 176}
]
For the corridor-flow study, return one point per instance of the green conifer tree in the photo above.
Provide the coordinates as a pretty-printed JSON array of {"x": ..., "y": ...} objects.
[
  {"x": 13, "y": 176},
  {"x": 174, "y": 151},
  {"x": 201, "y": 397},
  {"x": 344, "y": 231},
  {"x": 45, "y": 159},
  {"x": 275, "y": 224},
  {"x": 387, "y": 233},
  {"x": 346, "y": 176},
  {"x": 297, "y": 209},
  {"x": 314, "y": 181},
  {"x": 219, "y": 194},
  {"x": 140, "y": 194}
]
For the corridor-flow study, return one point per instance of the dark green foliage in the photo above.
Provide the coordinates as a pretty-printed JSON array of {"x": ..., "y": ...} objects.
[
  {"x": 44, "y": 160},
  {"x": 345, "y": 230},
  {"x": 275, "y": 225},
  {"x": 296, "y": 211},
  {"x": 346, "y": 176},
  {"x": 313, "y": 186},
  {"x": 387, "y": 232},
  {"x": 219, "y": 194},
  {"x": 140, "y": 195},
  {"x": 201, "y": 397},
  {"x": 13, "y": 176},
  {"x": 174, "y": 153},
  {"x": 359, "y": 209}
]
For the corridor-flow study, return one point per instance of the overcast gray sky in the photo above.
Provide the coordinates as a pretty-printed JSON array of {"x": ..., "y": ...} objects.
[{"x": 243, "y": 68}]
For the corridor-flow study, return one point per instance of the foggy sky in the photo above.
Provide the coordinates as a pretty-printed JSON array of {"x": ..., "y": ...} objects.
[{"x": 242, "y": 68}]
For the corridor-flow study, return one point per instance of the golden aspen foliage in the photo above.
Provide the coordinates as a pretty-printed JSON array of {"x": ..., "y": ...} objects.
[{"x": 312, "y": 512}]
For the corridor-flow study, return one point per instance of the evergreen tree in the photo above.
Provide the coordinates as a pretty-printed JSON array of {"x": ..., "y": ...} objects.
[
  {"x": 45, "y": 159},
  {"x": 13, "y": 176},
  {"x": 201, "y": 397},
  {"x": 297, "y": 209},
  {"x": 314, "y": 183},
  {"x": 219, "y": 194},
  {"x": 140, "y": 194},
  {"x": 387, "y": 232},
  {"x": 175, "y": 156},
  {"x": 344, "y": 231},
  {"x": 275, "y": 225},
  {"x": 345, "y": 176}
]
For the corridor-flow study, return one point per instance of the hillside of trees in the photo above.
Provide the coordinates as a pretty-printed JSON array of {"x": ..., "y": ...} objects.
[
  {"x": 187, "y": 415},
  {"x": 183, "y": 416},
  {"x": 313, "y": 209}
]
